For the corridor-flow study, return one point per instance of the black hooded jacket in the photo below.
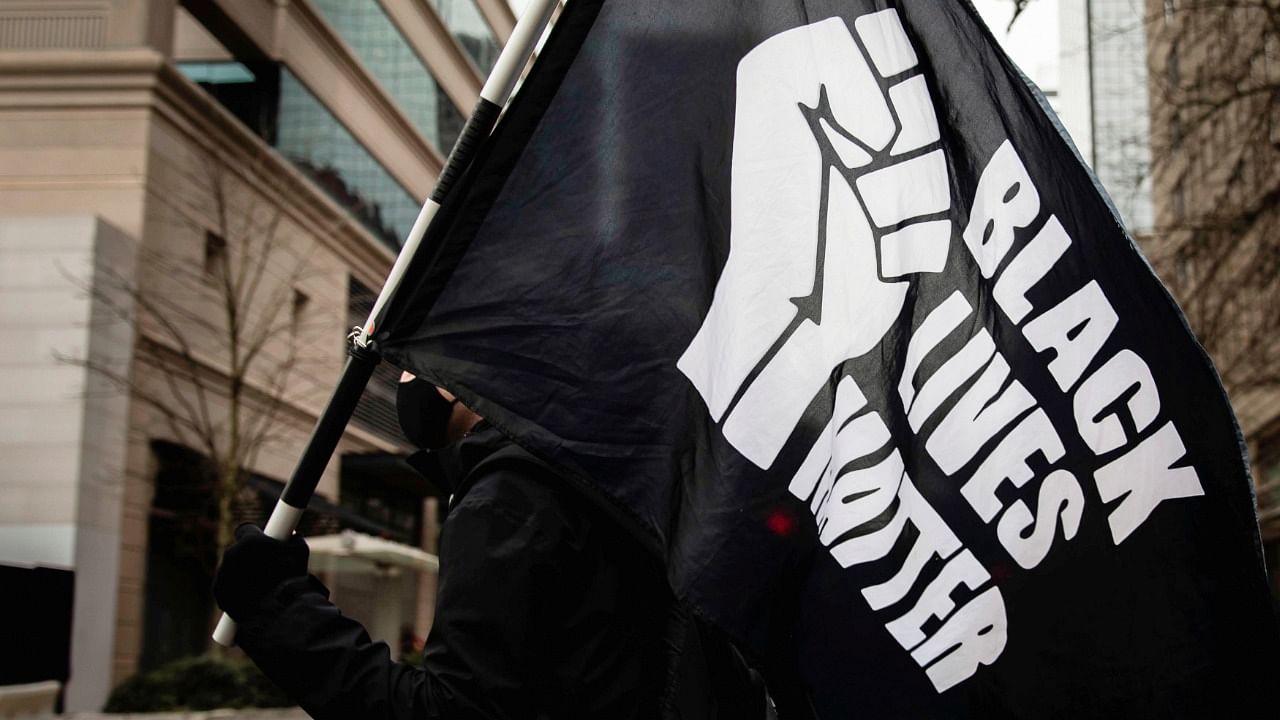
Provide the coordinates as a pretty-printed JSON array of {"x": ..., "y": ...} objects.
[{"x": 545, "y": 610}]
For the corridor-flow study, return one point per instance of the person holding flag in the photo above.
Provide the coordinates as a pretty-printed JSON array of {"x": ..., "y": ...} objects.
[
  {"x": 820, "y": 300},
  {"x": 545, "y": 609},
  {"x": 817, "y": 302}
]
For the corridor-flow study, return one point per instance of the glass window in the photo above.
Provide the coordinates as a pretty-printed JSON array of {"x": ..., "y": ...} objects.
[
  {"x": 248, "y": 90},
  {"x": 1122, "y": 156},
  {"x": 471, "y": 30},
  {"x": 364, "y": 25},
  {"x": 320, "y": 146},
  {"x": 216, "y": 73}
]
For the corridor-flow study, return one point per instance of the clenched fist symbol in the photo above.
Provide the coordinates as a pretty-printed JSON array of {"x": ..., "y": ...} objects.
[{"x": 839, "y": 195}]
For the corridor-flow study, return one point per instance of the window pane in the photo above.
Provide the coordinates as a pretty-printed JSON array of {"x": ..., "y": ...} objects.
[
  {"x": 320, "y": 146},
  {"x": 471, "y": 30},
  {"x": 216, "y": 73},
  {"x": 384, "y": 51},
  {"x": 247, "y": 90}
]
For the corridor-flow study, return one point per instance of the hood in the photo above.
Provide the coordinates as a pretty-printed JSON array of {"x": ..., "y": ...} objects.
[{"x": 449, "y": 466}]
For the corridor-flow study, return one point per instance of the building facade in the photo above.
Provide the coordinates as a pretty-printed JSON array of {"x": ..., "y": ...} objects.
[
  {"x": 152, "y": 151},
  {"x": 1103, "y": 99},
  {"x": 1215, "y": 108}
]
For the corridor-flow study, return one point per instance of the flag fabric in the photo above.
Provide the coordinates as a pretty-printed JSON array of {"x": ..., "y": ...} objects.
[{"x": 818, "y": 298}]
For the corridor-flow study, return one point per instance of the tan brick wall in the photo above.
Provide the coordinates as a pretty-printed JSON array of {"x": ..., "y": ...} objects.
[
  {"x": 1214, "y": 78},
  {"x": 99, "y": 123}
]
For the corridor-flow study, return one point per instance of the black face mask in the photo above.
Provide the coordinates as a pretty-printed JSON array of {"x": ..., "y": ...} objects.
[{"x": 424, "y": 414}]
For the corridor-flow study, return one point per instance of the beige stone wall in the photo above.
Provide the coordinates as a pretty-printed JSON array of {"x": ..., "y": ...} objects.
[
  {"x": 97, "y": 123},
  {"x": 70, "y": 144},
  {"x": 86, "y": 23},
  {"x": 1214, "y": 82},
  {"x": 121, "y": 136},
  {"x": 207, "y": 177},
  {"x": 62, "y": 426},
  {"x": 45, "y": 406}
]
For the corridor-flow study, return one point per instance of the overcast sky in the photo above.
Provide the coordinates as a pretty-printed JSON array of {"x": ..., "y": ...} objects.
[{"x": 1033, "y": 43}]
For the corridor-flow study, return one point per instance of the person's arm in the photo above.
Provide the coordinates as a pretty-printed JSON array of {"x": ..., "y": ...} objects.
[
  {"x": 481, "y": 659},
  {"x": 326, "y": 661}
]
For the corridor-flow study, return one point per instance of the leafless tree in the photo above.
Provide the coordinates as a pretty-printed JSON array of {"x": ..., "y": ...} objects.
[
  {"x": 1215, "y": 87},
  {"x": 1215, "y": 103},
  {"x": 1214, "y": 77},
  {"x": 221, "y": 332}
]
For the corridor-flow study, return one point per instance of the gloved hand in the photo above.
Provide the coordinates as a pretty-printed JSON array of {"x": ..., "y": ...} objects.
[{"x": 253, "y": 566}]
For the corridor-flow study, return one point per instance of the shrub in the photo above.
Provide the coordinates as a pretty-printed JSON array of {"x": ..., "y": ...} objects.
[{"x": 204, "y": 682}]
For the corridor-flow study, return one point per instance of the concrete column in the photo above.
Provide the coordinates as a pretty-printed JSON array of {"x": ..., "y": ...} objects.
[
  {"x": 428, "y": 582},
  {"x": 1075, "y": 96},
  {"x": 386, "y": 621},
  {"x": 141, "y": 24},
  {"x": 63, "y": 427}
]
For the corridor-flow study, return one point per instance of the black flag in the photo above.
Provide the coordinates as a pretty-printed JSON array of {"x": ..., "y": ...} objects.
[{"x": 819, "y": 299}]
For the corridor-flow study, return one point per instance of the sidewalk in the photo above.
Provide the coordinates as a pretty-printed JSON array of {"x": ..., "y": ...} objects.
[{"x": 281, "y": 714}]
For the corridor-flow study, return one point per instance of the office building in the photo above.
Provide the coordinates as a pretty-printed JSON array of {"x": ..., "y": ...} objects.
[
  {"x": 1215, "y": 79},
  {"x": 147, "y": 149},
  {"x": 1102, "y": 99}
]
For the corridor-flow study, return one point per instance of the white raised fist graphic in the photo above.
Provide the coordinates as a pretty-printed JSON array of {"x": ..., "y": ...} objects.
[{"x": 839, "y": 194}]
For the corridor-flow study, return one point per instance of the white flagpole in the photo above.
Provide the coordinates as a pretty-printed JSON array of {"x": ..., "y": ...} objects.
[
  {"x": 332, "y": 423},
  {"x": 493, "y": 97}
]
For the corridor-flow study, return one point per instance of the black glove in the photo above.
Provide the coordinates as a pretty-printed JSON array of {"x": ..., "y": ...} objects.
[{"x": 253, "y": 566}]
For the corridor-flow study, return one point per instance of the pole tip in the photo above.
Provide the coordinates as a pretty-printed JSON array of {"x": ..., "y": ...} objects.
[{"x": 225, "y": 633}]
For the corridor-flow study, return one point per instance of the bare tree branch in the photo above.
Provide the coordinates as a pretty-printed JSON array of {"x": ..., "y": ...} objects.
[
  {"x": 218, "y": 341},
  {"x": 1214, "y": 91}
]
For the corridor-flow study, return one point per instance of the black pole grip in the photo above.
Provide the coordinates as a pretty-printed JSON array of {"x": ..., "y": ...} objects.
[
  {"x": 477, "y": 129},
  {"x": 330, "y": 426}
]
